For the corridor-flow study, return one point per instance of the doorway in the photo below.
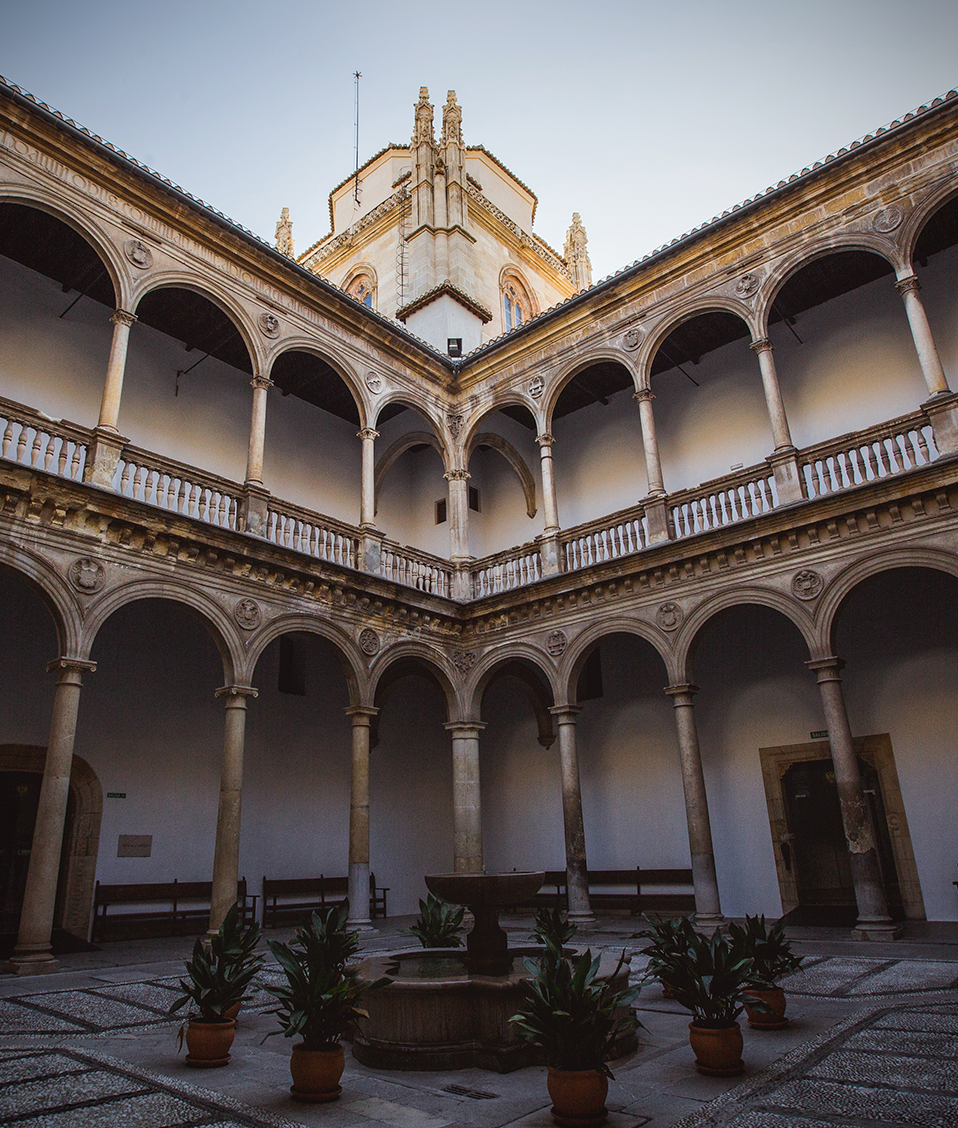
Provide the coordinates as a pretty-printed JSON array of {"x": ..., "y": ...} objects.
[{"x": 19, "y": 798}]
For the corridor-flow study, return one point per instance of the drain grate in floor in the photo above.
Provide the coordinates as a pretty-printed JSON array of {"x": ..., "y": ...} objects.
[{"x": 475, "y": 1094}]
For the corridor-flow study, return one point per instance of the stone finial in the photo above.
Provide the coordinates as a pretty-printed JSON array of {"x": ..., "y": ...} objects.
[
  {"x": 452, "y": 120},
  {"x": 423, "y": 133},
  {"x": 284, "y": 234},
  {"x": 576, "y": 253}
]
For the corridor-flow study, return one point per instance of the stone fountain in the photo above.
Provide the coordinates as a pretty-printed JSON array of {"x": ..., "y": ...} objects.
[{"x": 449, "y": 1009}]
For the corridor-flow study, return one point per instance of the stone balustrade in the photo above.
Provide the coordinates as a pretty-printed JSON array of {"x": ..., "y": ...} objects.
[
  {"x": 611, "y": 537},
  {"x": 506, "y": 570},
  {"x": 304, "y": 531},
  {"x": 32, "y": 439},
  {"x": 723, "y": 501},
  {"x": 181, "y": 489},
  {"x": 405, "y": 565}
]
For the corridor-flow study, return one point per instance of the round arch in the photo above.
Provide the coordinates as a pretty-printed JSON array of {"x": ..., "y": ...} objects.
[
  {"x": 412, "y": 658},
  {"x": 54, "y": 592},
  {"x": 59, "y": 209},
  {"x": 708, "y": 303},
  {"x": 399, "y": 447},
  {"x": 367, "y": 294},
  {"x": 916, "y": 222},
  {"x": 515, "y": 460},
  {"x": 582, "y": 646},
  {"x": 345, "y": 371},
  {"x": 519, "y": 301},
  {"x": 405, "y": 398},
  {"x": 569, "y": 371},
  {"x": 510, "y": 399},
  {"x": 490, "y": 666},
  {"x": 347, "y": 653}
]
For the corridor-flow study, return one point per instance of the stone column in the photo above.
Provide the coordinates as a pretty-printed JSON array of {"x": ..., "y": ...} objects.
[
  {"x": 104, "y": 452},
  {"x": 784, "y": 458},
  {"x": 549, "y": 540},
  {"x": 466, "y": 803},
  {"x": 874, "y": 922},
  {"x": 458, "y": 513},
  {"x": 256, "y": 496},
  {"x": 928, "y": 356},
  {"x": 33, "y": 954},
  {"x": 367, "y": 510},
  {"x": 577, "y": 869},
  {"x": 708, "y": 908},
  {"x": 656, "y": 511},
  {"x": 361, "y": 717},
  {"x": 226, "y": 856}
]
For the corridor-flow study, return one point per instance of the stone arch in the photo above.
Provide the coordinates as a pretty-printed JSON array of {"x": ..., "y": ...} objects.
[
  {"x": 351, "y": 284},
  {"x": 489, "y": 665},
  {"x": 709, "y": 303},
  {"x": 925, "y": 210},
  {"x": 399, "y": 447},
  {"x": 842, "y": 586},
  {"x": 53, "y": 590},
  {"x": 408, "y": 398},
  {"x": 347, "y": 652},
  {"x": 75, "y": 895},
  {"x": 584, "y": 643},
  {"x": 402, "y": 660},
  {"x": 344, "y": 370},
  {"x": 557, "y": 385},
  {"x": 217, "y": 621},
  {"x": 512, "y": 398},
  {"x": 690, "y": 632},
  {"x": 515, "y": 460},
  {"x": 80, "y": 221}
]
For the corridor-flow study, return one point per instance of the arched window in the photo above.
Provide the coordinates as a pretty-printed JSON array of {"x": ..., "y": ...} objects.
[
  {"x": 517, "y": 304},
  {"x": 362, "y": 289}
]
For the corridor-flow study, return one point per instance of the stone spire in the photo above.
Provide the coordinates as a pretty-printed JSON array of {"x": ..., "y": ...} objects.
[
  {"x": 576, "y": 253},
  {"x": 451, "y": 121},
  {"x": 284, "y": 234},
  {"x": 423, "y": 154},
  {"x": 423, "y": 131}
]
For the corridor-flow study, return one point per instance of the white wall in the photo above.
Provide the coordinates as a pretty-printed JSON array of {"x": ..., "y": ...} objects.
[{"x": 406, "y": 510}]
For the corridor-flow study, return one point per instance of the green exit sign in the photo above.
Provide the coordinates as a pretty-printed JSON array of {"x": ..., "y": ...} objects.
[
  {"x": 821, "y": 735},
  {"x": 116, "y": 795}
]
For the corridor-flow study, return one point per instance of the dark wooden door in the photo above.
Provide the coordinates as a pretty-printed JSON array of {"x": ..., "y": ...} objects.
[{"x": 19, "y": 797}]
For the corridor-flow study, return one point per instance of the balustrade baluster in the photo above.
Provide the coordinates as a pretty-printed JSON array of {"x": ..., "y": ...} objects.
[
  {"x": 63, "y": 454},
  {"x": 923, "y": 446},
  {"x": 7, "y": 437}
]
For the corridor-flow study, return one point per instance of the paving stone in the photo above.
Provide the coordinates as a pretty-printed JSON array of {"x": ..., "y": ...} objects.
[
  {"x": 888, "y": 1069},
  {"x": 17, "y": 1019},
  {"x": 65, "y": 1089},
  {"x": 905, "y": 1042},
  {"x": 931, "y": 1022},
  {"x": 908, "y": 975},
  {"x": 822, "y": 1098},
  {"x": 153, "y": 1110},
  {"x": 830, "y": 976},
  {"x": 20, "y": 1065},
  {"x": 757, "y": 1119},
  {"x": 95, "y": 1009},
  {"x": 141, "y": 994}
]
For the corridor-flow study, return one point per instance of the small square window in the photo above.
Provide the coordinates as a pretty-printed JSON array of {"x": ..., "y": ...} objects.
[
  {"x": 441, "y": 511},
  {"x": 454, "y": 346},
  {"x": 474, "y": 499}
]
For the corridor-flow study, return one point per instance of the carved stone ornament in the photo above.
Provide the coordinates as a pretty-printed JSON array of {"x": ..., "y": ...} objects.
[
  {"x": 138, "y": 253},
  {"x": 536, "y": 387},
  {"x": 374, "y": 382},
  {"x": 463, "y": 660},
  {"x": 746, "y": 286},
  {"x": 454, "y": 423},
  {"x": 369, "y": 641},
  {"x": 807, "y": 584},
  {"x": 669, "y": 616},
  {"x": 248, "y": 614},
  {"x": 269, "y": 325},
  {"x": 556, "y": 643},
  {"x": 632, "y": 340},
  {"x": 87, "y": 575},
  {"x": 887, "y": 219}
]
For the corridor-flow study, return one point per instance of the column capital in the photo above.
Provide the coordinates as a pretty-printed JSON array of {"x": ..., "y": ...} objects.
[
  {"x": 368, "y": 433},
  {"x": 457, "y": 474},
  {"x": 361, "y": 715},
  {"x": 545, "y": 439},
  {"x": 261, "y": 383},
  {"x": 828, "y": 669},
  {"x": 565, "y": 714},
  {"x": 464, "y": 728},
  {"x": 644, "y": 395},
  {"x": 65, "y": 665},
  {"x": 123, "y": 317},
  {"x": 761, "y": 344},
  {"x": 908, "y": 285},
  {"x": 682, "y": 693},
  {"x": 236, "y": 694}
]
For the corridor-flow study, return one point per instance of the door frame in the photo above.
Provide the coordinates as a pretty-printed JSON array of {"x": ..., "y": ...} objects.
[{"x": 875, "y": 750}]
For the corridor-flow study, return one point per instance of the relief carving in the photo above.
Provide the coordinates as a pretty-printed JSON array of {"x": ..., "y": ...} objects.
[
  {"x": 746, "y": 286},
  {"x": 269, "y": 325},
  {"x": 632, "y": 340},
  {"x": 556, "y": 643},
  {"x": 807, "y": 584},
  {"x": 536, "y": 387},
  {"x": 247, "y": 614},
  {"x": 369, "y": 642},
  {"x": 374, "y": 382},
  {"x": 138, "y": 253},
  {"x": 463, "y": 660},
  {"x": 669, "y": 616},
  {"x": 87, "y": 575},
  {"x": 886, "y": 220}
]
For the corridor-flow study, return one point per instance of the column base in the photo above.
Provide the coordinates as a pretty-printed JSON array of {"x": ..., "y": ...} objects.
[
  {"x": 30, "y": 959},
  {"x": 942, "y": 412},
  {"x": 461, "y": 581},
  {"x": 364, "y": 927},
  {"x": 582, "y": 919},
  {"x": 709, "y": 922},
  {"x": 878, "y": 929},
  {"x": 103, "y": 457},
  {"x": 550, "y": 553},
  {"x": 254, "y": 510},
  {"x": 371, "y": 549},
  {"x": 657, "y": 519},
  {"x": 788, "y": 479}
]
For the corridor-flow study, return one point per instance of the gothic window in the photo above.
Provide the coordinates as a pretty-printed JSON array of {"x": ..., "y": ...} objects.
[
  {"x": 362, "y": 289},
  {"x": 517, "y": 305}
]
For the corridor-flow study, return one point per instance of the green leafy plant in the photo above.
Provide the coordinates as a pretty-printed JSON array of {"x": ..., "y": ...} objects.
[
  {"x": 439, "y": 924},
  {"x": 709, "y": 979},
  {"x": 552, "y": 926},
  {"x": 320, "y": 1000},
  {"x": 220, "y": 973},
  {"x": 767, "y": 948},
  {"x": 669, "y": 937},
  {"x": 572, "y": 1016}
]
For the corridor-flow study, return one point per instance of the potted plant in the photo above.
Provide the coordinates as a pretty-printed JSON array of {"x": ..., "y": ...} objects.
[
  {"x": 219, "y": 975},
  {"x": 668, "y": 937},
  {"x": 551, "y": 925},
  {"x": 772, "y": 958},
  {"x": 709, "y": 979},
  {"x": 575, "y": 1019},
  {"x": 439, "y": 924},
  {"x": 319, "y": 1002}
]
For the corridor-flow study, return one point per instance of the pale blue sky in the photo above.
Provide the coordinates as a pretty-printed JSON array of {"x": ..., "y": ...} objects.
[{"x": 645, "y": 117}]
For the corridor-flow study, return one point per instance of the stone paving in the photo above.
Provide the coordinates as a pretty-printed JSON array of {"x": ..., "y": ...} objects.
[{"x": 874, "y": 1041}]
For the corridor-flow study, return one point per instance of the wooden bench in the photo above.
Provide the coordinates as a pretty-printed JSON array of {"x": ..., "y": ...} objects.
[
  {"x": 621, "y": 889},
  {"x": 291, "y": 900},
  {"x": 175, "y": 907}
]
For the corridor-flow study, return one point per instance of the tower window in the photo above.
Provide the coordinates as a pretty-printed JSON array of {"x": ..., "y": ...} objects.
[
  {"x": 474, "y": 499},
  {"x": 516, "y": 304},
  {"x": 361, "y": 288},
  {"x": 441, "y": 511}
]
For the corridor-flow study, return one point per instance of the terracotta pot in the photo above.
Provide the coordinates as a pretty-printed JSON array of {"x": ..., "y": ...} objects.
[
  {"x": 718, "y": 1050},
  {"x": 316, "y": 1073},
  {"x": 775, "y": 997},
  {"x": 209, "y": 1043},
  {"x": 578, "y": 1097},
  {"x": 233, "y": 1011}
]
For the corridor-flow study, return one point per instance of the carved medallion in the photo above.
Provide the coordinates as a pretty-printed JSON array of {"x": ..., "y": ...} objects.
[
  {"x": 248, "y": 614},
  {"x": 269, "y": 325},
  {"x": 138, "y": 253},
  {"x": 463, "y": 660},
  {"x": 454, "y": 423},
  {"x": 369, "y": 641},
  {"x": 669, "y": 616},
  {"x": 87, "y": 575},
  {"x": 536, "y": 387},
  {"x": 374, "y": 382},
  {"x": 746, "y": 286},
  {"x": 632, "y": 340},
  {"x": 807, "y": 584},
  {"x": 887, "y": 220},
  {"x": 556, "y": 643}
]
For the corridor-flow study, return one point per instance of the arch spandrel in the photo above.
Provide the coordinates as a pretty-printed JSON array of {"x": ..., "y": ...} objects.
[
  {"x": 406, "y": 656},
  {"x": 580, "y": 647},
  {"x": 217, "y": 620},
  {"x": 347, "y": 651},
  {"x": 80, "y": 220},
  {"x": 55, "y": 593},
  {"x": 300, "y": 342},
  {"x": 689, "y": 633}
]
